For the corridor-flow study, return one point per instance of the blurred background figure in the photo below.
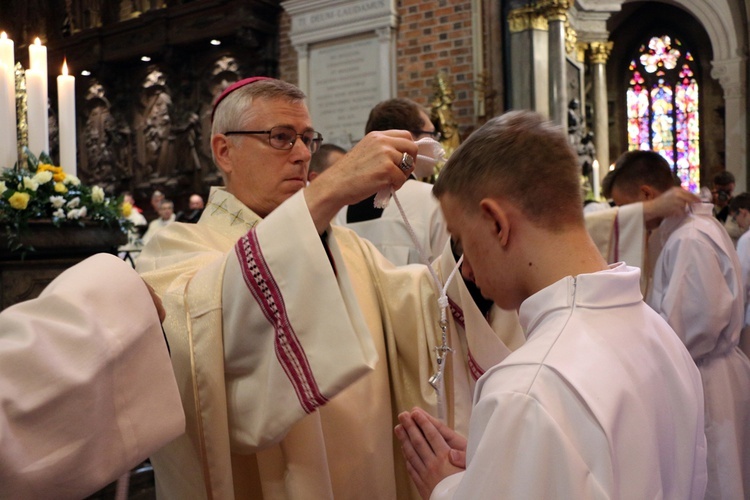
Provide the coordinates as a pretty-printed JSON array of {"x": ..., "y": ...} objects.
[
  {"x": 327, "y": 155},
  {"x": 195, "y": 209},
  {"x": 156, "y": 198},
  {"x": 385, "y": 228},
  {"x": 166, "y": 217}
]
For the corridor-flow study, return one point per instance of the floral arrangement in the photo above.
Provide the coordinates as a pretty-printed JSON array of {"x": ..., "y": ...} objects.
[{"x": 42, "y": 191}]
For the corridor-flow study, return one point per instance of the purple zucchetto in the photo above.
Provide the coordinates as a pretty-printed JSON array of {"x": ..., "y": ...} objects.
[{"x": 235, "y": 86}]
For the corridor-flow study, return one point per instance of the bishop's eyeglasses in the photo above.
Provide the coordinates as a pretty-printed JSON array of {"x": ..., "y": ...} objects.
[{"x": 283, "y": 138}]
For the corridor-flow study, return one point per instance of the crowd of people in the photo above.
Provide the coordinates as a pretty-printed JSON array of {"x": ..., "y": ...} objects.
[{"x": 308, "y": 351}]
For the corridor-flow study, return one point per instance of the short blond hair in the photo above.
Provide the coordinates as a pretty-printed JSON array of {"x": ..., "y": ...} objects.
[{"x": 522, "y": 157}]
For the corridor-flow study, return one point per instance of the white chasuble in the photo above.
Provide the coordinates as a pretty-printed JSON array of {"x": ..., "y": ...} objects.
[{"x": 293, "y": 362}]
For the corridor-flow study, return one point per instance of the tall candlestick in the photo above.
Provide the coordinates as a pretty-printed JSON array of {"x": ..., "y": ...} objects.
[
  {"x": 38, "y": 62},
  {"x": 8, "y": 134},
  {"x": 36, "y": 111},
  {"x": 66, "y": 111}
]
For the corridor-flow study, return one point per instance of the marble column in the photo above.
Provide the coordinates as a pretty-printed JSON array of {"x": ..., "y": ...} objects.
[
  {"x": 303, "y": 67},
  {"x": 529, "y": 79},
  {"x": 731, "y": 76},
  {"x": 387, "y": 50},
  {"x": 599, "y": 53},
  {"x": 556, "y": 13}
]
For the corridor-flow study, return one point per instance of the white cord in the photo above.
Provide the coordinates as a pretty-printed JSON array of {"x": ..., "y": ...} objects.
[{"x": 436, "y": 380}]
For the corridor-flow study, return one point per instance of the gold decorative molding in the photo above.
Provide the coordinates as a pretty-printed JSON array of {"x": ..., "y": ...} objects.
[
  {"x": 441, "y": 110},
  {"x": 554, "y": 10},
  {"x": 22, "y": 132},
  {"x": 600, "y": 52},
  {"x": 524, "y": 19},
  {"x": 571, "y": 37}
]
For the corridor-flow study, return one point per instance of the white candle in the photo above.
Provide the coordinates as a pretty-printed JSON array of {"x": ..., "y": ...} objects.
[
  {"x": 8, "y": 128},
  {"x": 36, "y": 111},
  {"x": 38, "y": 62},
  {"x": 66, "y": 113}
]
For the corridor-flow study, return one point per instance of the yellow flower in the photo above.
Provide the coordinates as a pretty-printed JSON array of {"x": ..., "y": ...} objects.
[
  {"x": 3, "y": 187},
  {"x": 57, "y": 172},
  {"x": 127, "y": 209},
  {"x": 60, "y": 187},
  {"x": 19, "y": 200}
]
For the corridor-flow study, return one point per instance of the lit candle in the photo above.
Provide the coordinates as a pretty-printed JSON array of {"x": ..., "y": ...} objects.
[
  {"x": 8, "y": 134},
  {"x": 66, "y": 112},
  {"x": 36, "y": 111},
  {"x": 38, "y": 63}
]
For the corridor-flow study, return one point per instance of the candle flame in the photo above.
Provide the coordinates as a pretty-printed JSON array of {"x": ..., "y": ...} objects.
[
  {"x": 37, "y": 41},
  {"x": 3, "y": 36},
  {"x": 65, "y": 67}
]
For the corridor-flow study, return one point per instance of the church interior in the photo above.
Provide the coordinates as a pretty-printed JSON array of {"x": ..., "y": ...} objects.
[
  {"x": 669, "y": 76},
  {"x": 620, "y": 74}
]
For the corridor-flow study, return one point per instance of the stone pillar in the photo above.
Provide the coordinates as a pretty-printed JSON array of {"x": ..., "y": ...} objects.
[
  {"x": 556, "y": 13},
  {"x": 529, "y": 59},
  {"x": 303, "y": 67},
  {"x": 731, "y": 76},
  {"x": 599, "y": 53},
  {"x": 386, "y": 40}
]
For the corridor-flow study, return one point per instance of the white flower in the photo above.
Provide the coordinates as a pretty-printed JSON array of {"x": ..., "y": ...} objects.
[
  {"x": 29, "y": 183},
  {"x": 3, "y": 187},
  {"x": 71, "y": 179},
  {"x": 57, "y": 201},
  {"x": 82, "y": 212},
  {"x": 43, "y": 177},
  {"x": 97, "y": 194},
  {"x": 74, "y": 214},
  {"x": 74, "y": 202},
  {"x": 59, "y": 213}
]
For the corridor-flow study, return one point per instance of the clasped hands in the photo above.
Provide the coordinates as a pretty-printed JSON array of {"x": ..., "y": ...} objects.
[{"x": 433, "y": 451}]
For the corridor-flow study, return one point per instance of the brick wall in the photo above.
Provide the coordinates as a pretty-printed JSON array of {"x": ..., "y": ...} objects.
[
  {"x": 287, "y": 54},
  {"x": 432, "y": 36}
]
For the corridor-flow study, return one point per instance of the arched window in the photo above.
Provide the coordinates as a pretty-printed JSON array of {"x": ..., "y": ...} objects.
[{"x": 662, "y": 99}]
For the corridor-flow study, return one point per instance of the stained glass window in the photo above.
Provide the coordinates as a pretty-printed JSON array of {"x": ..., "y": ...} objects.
[{"x": 662, "y": 101}]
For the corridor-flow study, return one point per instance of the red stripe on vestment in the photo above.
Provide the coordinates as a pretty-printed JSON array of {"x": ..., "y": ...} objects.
[
  {"x": 289, "y": 350},
  {"x": 457, "y": 312},
  {"x": 474, "y": 368},
  {"x": 458, "y": 316}
]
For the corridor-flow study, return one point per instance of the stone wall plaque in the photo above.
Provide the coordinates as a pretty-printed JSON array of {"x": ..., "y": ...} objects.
[
  {"x": 346, "y": 59},
  {"x": 344, "y": 86}
]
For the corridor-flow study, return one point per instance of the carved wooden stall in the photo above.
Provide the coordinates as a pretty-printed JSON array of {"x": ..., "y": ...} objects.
[{"x": 146, "y": 74}]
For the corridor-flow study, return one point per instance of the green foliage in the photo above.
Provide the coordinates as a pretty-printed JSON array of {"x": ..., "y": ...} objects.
[{"x": 42, "y": 191}]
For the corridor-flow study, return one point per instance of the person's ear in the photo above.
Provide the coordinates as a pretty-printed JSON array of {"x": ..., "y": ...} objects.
[
  {"x": 648, "y": 192},
  {"x": 221, "y": 147},
  {"x": 498, "y": 216}
]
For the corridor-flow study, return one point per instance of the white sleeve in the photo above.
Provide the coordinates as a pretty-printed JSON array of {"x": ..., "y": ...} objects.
[
  {"x": 619, "y": 233},
  {"x": 682, "y": 303},
  {"x": 438, "y": 233},
  {"x": 629, "y": 237},
  {"x": 293, "y": 336},
  {"x": 86, "y": 384}
]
